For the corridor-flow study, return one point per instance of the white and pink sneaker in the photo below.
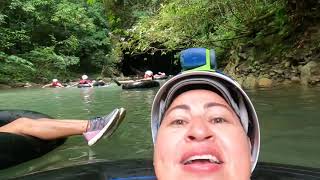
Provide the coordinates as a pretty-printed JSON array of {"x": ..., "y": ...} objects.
[{"x": 104, "y": 126}]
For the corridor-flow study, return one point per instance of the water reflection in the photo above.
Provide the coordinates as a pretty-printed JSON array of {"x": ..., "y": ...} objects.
[
  {"x": 288, "y": 117},
  {"x": 87, "y": 97},
  {"x": 289, "y": 125}
]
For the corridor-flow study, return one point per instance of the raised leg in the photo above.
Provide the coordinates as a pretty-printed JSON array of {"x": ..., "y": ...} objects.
[{"x": 46, "y": 128}]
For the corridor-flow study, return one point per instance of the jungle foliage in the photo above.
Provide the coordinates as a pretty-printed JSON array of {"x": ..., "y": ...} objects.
[
  {"x": 41, "y": 40},
  {"x": 260, "y": 28},
  {"x": 207, "y": 23}
]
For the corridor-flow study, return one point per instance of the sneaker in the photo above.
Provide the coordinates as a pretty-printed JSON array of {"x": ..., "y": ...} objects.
[
  {"x": 122, "y": 114},
  {"x": 100, "y": 125}
]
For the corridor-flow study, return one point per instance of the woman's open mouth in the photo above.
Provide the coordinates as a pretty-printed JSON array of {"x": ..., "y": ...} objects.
[
  {"x": 202, "y": 159},
  {"x": 202, "y": 163}
]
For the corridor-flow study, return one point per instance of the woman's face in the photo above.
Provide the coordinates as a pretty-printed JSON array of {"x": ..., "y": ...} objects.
[{"x": 201, "y": 138}]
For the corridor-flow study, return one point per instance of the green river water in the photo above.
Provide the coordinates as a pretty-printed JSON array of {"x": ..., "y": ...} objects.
[{"x": 289, "y": 119}]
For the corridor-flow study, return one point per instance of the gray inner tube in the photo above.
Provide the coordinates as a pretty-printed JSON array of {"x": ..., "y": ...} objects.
[
  {"x": 15, "y": 149},
  {"x": 141, "y": 84}
]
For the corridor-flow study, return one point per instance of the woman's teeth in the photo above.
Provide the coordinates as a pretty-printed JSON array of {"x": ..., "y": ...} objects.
[{"x": 210, "y": 158}]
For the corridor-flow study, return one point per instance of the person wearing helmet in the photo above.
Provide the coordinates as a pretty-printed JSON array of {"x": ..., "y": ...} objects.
[
  {"x": 204, "y": 126},
  {"x": 55, "y": 84},
  {"x": 84, "y": 82},
  {"x": 148, "y": 75}
]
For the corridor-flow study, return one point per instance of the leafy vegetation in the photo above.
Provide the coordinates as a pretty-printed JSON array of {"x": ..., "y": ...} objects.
[
  {"x": 221, "y": 24},
  {"x": 40, "y": 40}
]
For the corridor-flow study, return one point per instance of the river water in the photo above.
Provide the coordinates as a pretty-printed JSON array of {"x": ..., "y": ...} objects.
[{"x": 289, "y": 119}]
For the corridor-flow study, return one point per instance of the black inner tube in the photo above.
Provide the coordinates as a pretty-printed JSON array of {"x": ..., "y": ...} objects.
[
  {"x": 15, "y": 149},
  {"x": 141, "y": 84},
  {"x": 83, "y": 85},
  {"x": 140, "y": 169}
]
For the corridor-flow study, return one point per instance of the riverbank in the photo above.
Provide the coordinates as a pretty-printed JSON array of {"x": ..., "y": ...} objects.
[
  {"x": 39, "y": 85},
  {"x": 295, "y": 61},
  {"x": 270, "y": 75},
  {"x": 249, "y": 77}
]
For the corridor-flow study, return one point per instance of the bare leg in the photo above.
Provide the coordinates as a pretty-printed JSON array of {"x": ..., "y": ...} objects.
[{"x": 46, "y": 128}]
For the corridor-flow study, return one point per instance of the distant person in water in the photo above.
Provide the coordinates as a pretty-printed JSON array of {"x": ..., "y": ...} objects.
[
  {"x": 84, "y": 82},
  {"x": 55, "y": 84},
  {"x": 49, "y": 129},
  {"x": 148, "y": 75},
  {"x": 160, "y": 75}
]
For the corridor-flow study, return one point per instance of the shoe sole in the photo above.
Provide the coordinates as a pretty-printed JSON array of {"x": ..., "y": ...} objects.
[
  {"x": 122, "y": 114},
  {"x": 113, "y": 118}
]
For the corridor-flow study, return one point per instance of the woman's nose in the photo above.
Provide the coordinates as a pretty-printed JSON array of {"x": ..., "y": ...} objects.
[{"x": 199, "y": 131}]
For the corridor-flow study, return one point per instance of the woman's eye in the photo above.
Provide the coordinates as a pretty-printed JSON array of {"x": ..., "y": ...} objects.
[
  {"x": 218, "y": 120},
  {"x": 178, "y": 122}
]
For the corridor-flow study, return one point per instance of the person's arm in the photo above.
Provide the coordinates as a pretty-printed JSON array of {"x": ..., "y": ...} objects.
[
  {"x": 90, "y": 83},
  {"x": 47, "y": 85},
  {"x": 60, "y": 85}
]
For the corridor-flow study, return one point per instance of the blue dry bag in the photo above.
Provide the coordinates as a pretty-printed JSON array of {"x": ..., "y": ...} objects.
[{"x": 198, "y": 58}]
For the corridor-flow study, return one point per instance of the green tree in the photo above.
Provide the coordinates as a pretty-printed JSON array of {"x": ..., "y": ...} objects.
[{"x": 55, "y": 37}]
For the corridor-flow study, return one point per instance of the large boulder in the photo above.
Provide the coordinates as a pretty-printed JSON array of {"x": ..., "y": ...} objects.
[
  {"x": 265, "y": 82},
  {"x": 295, "y": 79},
  {"x": 308, "y": 71},
  {"x": 250, "y": 82},
  {"x": 230, "y": 69},
  {"x": 314, "y": 80}
]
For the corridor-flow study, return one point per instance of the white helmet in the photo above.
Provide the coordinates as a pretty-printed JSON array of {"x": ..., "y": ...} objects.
[
  {"x": 227, "y": 87},
  {"x": 149, "y": 73},
  {"x": 84, "y": 77},
  {"x": 54, "y": 80}
]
